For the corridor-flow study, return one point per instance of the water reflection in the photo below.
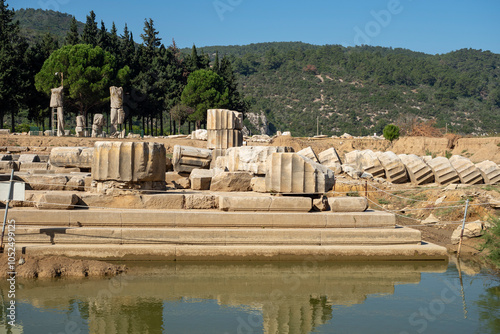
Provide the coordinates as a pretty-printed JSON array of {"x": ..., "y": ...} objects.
[{"x": 269, "y": 297}]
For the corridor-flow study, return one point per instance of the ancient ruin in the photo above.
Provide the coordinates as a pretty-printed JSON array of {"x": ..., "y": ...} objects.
[
  {"x": 57, "y": 105},
  {"x": 117, "y": 114},
  {"x": 97, "y": 125}
]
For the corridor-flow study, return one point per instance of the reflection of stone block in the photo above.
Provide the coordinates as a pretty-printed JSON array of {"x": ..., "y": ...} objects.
[
  {"x": 291, "y": 173},
  {"x": 224, "y": 139},
  {"x": 395, "y": 170},
  {"x": 418, "y": 171},
  {"x": 249, "y": 158},
  {"x": 308, "y": 152},
  {"x": 467, "y": 171},
  {"x": 130, "y": 162},
  {"x": 443, "y": 171},
  {"x": 223, "y": 119},
  {"x": 490, "y": 171},
  {"x": 79, "y": 157},
  {"x": 186, "y": 158}
]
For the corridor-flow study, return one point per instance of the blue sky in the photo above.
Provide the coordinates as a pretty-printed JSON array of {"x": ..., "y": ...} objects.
[{"x": 438, "y": 26}]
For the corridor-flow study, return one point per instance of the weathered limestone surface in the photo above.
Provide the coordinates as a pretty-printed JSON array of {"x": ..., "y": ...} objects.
[
  {"x": 471, "y": 230},
  {"x": 249, "y": 158},
  {"x": 231, "y": 181},
  {"x": 224, "y": 119},
  {"x": 467, "y": 171},
  {"x": 7, "y": 166},
  {"x": 177, "y": 181},
  {"x": 201, "y": 179},
  {"x": 258, "y": 184},
  {"x": 97, "y": 125},
  {"x": 57, "y": 201},
  {"x": 79, "y": 157},
  {"x": 245, "y": 203},
  {"x": 224, "y": 138},
  {"x": 200, "y": 134},
  {"x": 46, "y": 182},
  {"x": 80, "y": 126},
  {"x": 163, "y": 201},
  {"x": 490, "y": 171},
  {"x": 186, "y": 158},
  {"x": 418, "y": 171},
  {"x": 30, "y": 166},
  {"x": 366, "y": 161},
  {"x": 28, "y": 158},
  {"x": 76, "y": 183},
  {"x": 129, "y": 162},
  {"x": 5, "y": 157},
  {"x": 201, "y": 202},
  {"x": 291, "y": 173},
  {"x": 309, "y": 153},
  {"x": 331, "y": 159},
  {"x": 444, "y": 172},
  {"x": 348, "y": 204},
  {"x": 395, "y": 170}
]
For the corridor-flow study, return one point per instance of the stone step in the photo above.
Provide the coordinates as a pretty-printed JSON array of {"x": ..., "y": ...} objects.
[
  {"x": 421, "y": 252},
  {"x": 218, "y": 236},
  {"x": 199, "y": 218}
]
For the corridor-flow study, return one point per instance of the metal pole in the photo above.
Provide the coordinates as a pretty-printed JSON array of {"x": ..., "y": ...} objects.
[
  {"x": 9, "y": 197},
  {"x": 463, "y": 228}
]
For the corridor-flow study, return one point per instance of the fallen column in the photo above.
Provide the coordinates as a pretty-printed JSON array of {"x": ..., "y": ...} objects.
[
  {"x": 418, "y": 171},
  {"x": 467, "y": 171}
]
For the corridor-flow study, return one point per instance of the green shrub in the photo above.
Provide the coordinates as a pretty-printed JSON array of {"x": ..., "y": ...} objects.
[
  {"x": 391, "y": 132},
  {"x": 492, "y": 241},
  {"x": 353, "y": 194},
  {"x": 383, "y": 201},
  {"x": 447, "y": 154}
]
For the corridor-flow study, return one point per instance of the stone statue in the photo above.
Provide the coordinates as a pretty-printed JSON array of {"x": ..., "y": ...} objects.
[
  {"x": 97, "y": 125},
  {"x": 80, "y": 126},
  {"x": 117, "y": 114},
  {"x": 56, "y": 101}
]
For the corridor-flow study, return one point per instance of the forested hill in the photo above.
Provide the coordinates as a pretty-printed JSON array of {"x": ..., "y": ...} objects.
[
  {"x": 361, "y": 89},
  {"x": 37, "y": 22},
  {"x": 355, "y": 89}
]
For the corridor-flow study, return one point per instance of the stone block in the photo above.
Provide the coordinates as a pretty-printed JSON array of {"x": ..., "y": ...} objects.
[
  {"x": 223, "y": 119},
  {"x": 231, "y": 181},
  {"x": 177, "y": 181},
  {"x": 186, "y": 158},
  {"x": 28, "y": 158},
  {"x": 76, "y": 183},
  {"x": 224, "y": 139},
  {"x": 164, "y": 201},
  {"x": 418, "y": 171},
  {"x": 201, "y": 202},
  {"x": 250, "y": 158},
  {"x": 46, "y": 182},
  {"x": 366, "y": 161},
  {"x": 490, "y": 171},
  {"x": 57, "y": 201},
  {"x": 268, "y": 203},
  {"x": 395, "y": 170},
  {"x": 321, "y": 204},
  {"x": 444, "y": 172},
  {"x": 200, "y": 134},
  {"x": 258, "y": 184},
  {"x": 348, "y": 204},
  {"x": 292, "y": 173},
  {"x": 467, "y": 171},
  {"x": 78, "y": 157},
  {"x": 200, "y": 179},
  {"x": 129, "y": 162},
  {"x": 329, "y": 158},
  {"x": 288, "y": 204},
  {"x": 5, "y": 132},
  {"x": 471, "y": 230},
  {"x": 7, "y": 166},
  {"x": 30, "y": 166},
  {"x": 309, "y": 153}
]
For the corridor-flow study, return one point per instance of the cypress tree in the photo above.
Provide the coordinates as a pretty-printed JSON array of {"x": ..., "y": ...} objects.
[
  {"x": 90, "y": 31},
  {"x": 73, "y": 37},
  {"x": 216, "y": 67},
  {"x": 103, "y": 38}
]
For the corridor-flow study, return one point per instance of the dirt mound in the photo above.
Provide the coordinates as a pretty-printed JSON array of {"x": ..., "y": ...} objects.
[{"x": 58, "y": 266}]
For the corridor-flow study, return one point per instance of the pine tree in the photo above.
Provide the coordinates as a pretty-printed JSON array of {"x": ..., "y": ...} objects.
[
  {"x": 194, "y": 60},
  {"x": 150, "y": 40},
  {"x": 90, "y": 31},
  {"x": 227, "y": 73},
  {"x": 114, "y": 42},
  {"x": 127, "y": 48},
  {"x": 73, "y": 37}
]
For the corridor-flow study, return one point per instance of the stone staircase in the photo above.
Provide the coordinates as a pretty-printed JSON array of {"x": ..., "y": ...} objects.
[{"x": 214, "y": 235}]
